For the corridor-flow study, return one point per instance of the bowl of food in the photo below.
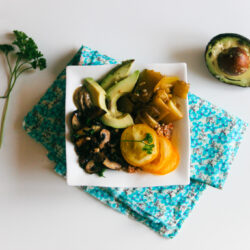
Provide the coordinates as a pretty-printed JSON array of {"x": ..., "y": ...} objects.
[{"x": 127, "y": 125}]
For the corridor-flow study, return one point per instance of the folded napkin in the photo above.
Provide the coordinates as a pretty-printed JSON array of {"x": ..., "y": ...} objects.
[{"x": 215, "y": 138}]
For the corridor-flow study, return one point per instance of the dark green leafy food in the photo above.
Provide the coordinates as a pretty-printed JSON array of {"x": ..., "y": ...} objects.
[
  {"x": 227, "y": 58},
  {"x": 27, "y": 57}
]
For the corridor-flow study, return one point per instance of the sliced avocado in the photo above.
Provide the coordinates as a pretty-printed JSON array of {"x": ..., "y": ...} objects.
[
  {"x": 97, "y": 93},
  {"x": 119, "y": 89},
  {"x": 116, "y": 74},
  {"x": 227, "y": 58},
  {"x": 98, "y": 97},
  {"x": 123, "y": 121}
]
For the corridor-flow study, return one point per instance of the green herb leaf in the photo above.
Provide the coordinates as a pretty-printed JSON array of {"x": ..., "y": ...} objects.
[
  {"x": 148, "y": 138},
  {"x": 6, "y": 48},
  {"x": 148, "y": 148},
  {"x": 147, "y": 141},
  {"x": 28, "y": 50}
]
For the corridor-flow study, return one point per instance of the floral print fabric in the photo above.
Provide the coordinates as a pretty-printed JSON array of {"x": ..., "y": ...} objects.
[{"x": 215, "y": 138}]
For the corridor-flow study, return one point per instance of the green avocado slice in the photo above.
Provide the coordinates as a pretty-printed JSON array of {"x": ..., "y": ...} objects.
[
  {"x": 119, "y": 89},
  {"x": 116, "y": 74},
  {"x": 123, "y": 121},
  {"x": 98, "y": 97},
  {"x": 97, "y": 93},
  {"x": 224, "y": 42}
]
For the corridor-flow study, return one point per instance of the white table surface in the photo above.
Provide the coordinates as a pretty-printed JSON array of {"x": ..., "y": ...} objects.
[{"x": 37, "y": 209}]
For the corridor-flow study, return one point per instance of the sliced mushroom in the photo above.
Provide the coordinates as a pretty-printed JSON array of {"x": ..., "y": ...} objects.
[
  {"x": 93, "y": 128},
  {"x": 75, "y": 122},
  {"x": 96, "y": 127},
  {"x": 81, "y": 132},
  {"x": 80, "y": 142},
  {"x": 76, "y": 97},
  {"x": 81, "y": 99},
  {"x": 111, "y": 164},
  {"x": 87, "y": 100},
  {"x": 90, "y": 167},
  {"x": 98, "y": 156},
  {"x": 106, "y": 134}
]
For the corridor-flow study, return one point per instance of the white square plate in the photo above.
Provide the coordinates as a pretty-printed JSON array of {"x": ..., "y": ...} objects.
[{"x": 76, "y": 176}]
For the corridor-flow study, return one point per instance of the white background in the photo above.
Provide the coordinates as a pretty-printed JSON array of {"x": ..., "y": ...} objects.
[{"x": 37, "y": 209}]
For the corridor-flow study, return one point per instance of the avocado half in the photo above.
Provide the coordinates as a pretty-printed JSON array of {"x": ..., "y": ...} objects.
[{"x": 227, "y": 58}]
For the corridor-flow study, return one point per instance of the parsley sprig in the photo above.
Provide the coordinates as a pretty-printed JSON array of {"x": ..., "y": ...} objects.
[
  {"x": 27, "y": 57},
  {"x": 147, "y": 141}
]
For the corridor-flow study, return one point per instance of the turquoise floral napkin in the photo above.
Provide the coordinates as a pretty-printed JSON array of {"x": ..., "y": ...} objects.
[{"x": 215, "y": 139}]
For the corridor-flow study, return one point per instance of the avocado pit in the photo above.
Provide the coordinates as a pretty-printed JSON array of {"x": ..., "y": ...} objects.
[{"x": 233, "y": 61}]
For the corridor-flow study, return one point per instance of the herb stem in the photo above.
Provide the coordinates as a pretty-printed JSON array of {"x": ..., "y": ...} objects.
[
  {"x": 148, "y": 147},
  {"x": 8, "y": 62},
  {"x": 20, "y": 72},
  {"x": 19, "y": 66},
  {"x": 9, "y": 84},
  {"x": 5, "y": 108},
  {"x": 142, "y": 141}
]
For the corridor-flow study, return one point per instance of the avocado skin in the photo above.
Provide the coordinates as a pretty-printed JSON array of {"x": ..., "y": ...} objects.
[{"x": 242, "y": 41}]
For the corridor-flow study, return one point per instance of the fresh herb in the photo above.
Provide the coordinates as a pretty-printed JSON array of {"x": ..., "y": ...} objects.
[
  {"x": 27, "y": 57},
  {"x": 147, "y": 141},
  {"x": 148, "y": 138},
  {"x": 148, "y": 148}
]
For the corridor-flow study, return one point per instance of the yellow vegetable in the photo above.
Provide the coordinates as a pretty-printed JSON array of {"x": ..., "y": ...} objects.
[
  {"x": 161, "y": 106},
  {"x": 181, "y": 89},
  {"x": 174, "y": 113},
  {"x": 150, "y": 76},
  {"x": 132, "y": 147},
  {"x": 166, "y": 83},
  {"x": 144, "y": 117},
  {"x": 144, "y": 88},
  {"x": 166, "y": 161}
]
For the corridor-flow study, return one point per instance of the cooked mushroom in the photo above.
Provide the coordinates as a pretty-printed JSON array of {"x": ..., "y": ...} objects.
[
  {"x": 95, "y": 127},
  {"x": 106, "y": 134},
  {"x": 111, "y": 164},
  {"x": 75, "y": 123},
  {"x": 80, "y": 142},
  {"x": 96, "y": 150},
  {"x": 76, "y": 97},
  {"x": 81, "y": 132},
  {"x": 87, "y": 99},
  {"x": 90, "y": 167},
  {"x": 98, "y": 156},
  {"x": 82, "y": 99}
]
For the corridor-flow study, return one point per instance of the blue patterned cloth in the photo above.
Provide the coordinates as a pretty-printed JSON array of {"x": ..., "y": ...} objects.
[{"x": 215, "y": 139}]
